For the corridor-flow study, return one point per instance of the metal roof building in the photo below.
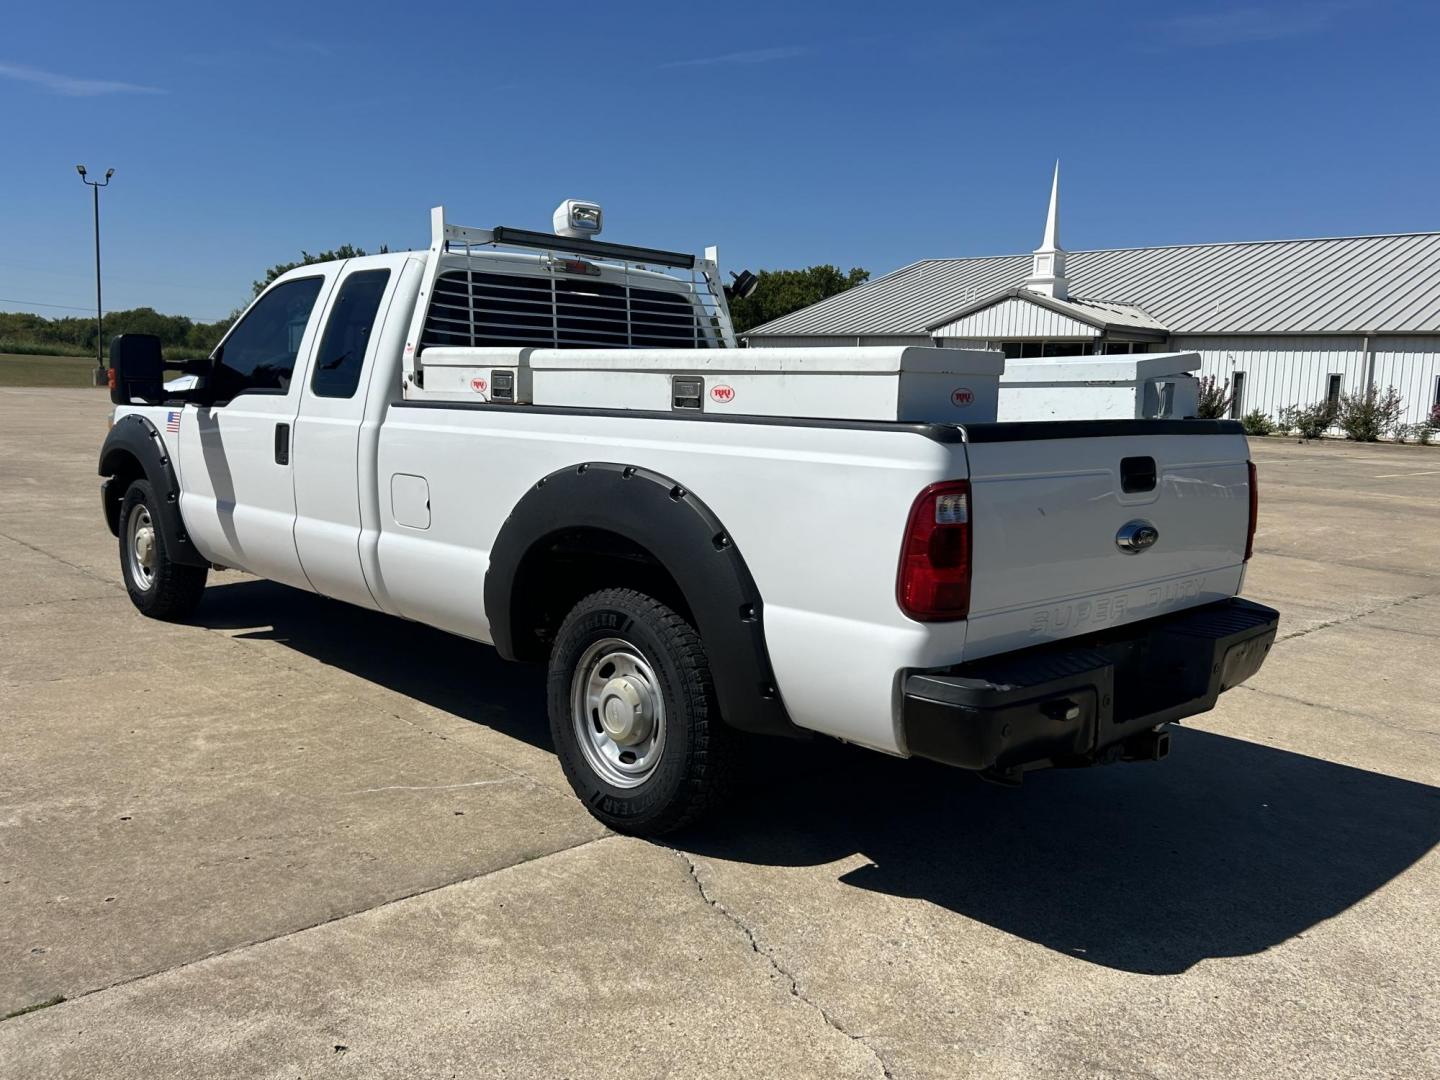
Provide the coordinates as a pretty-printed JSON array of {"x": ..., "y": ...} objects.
[{"x": 1288, "y": 322}]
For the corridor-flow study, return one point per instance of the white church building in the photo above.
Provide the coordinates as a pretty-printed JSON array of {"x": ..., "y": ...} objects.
[{"x": 1285, "y": 322}]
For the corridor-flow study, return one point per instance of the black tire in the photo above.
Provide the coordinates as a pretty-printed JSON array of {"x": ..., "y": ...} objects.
[
  {"x": 695, "y": 760},
  {"x": 173, "y": 590}
]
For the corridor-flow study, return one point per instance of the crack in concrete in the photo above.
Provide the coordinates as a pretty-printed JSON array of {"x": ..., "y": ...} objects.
[
  {"x": 66, "y": 1000},
  {"x": 1353, "y": 616},
  {"x": 795, "y": 991}
]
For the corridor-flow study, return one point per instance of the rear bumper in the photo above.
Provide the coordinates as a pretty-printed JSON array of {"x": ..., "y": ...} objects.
[{"x": 1072, "y": 702}]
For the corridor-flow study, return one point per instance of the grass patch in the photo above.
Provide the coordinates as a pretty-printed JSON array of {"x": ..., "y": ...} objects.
[
  {"x": 56, "y": 1000},
  {"x": 19, "y": 370}
]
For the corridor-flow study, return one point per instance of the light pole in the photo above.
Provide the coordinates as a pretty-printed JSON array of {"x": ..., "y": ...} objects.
[{"x": 95, "y": 186}]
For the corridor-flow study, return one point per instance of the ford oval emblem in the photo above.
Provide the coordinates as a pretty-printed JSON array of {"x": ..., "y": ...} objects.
[{"x": 1136, "y": 536}]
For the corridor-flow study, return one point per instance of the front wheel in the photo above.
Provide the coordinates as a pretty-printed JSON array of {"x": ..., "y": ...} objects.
[
  {"x": 633, "y": 714},
  {"x": 158, "y": 586}
]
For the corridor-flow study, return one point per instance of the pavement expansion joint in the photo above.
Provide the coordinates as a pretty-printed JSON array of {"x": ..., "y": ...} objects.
[
  {"x": 62, "y": 1001},
  {"x": 64, "y": 562},
  {"x": 780, "y": 969}
]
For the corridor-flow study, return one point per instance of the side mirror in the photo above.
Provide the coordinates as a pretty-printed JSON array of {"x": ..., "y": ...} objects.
[
  {"x": 137, "y": 369},
  {"x": 137, "y": 373}
]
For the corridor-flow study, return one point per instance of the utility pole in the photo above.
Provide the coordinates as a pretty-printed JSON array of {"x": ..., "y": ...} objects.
[{"x": 95, "y": 186}]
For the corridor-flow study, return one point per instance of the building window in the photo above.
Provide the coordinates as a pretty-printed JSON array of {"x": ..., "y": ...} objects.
[
  {"x": 1237, "y": 395},
  {"x": 1033, "y": 350},
  {"x": 1332, "y": 391},
  {"x": 1437, "y": 391}
]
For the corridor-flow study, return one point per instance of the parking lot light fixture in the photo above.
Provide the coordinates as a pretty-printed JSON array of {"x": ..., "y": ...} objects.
[{"x": 95, "y": 186}]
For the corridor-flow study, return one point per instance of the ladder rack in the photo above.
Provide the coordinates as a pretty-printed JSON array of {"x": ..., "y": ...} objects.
[{"x": 517, "y": 288}]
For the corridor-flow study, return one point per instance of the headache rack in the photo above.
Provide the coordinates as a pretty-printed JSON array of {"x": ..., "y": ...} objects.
[{"x": 516, "y": 288}]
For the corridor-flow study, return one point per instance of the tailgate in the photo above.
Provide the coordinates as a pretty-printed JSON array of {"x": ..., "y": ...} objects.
[{"x": 1050, "y": 516}]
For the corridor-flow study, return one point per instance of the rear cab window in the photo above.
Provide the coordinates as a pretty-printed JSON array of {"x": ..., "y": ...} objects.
[{"x": 341, "y": 359}]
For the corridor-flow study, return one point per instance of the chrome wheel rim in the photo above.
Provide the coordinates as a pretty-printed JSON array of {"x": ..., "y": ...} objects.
[
  {"x": 618, "y": 712},
  {"x": 140, "y": 535}
]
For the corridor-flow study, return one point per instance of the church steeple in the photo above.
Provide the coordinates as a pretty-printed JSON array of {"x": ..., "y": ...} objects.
[{"x": 1047, "y": 274}]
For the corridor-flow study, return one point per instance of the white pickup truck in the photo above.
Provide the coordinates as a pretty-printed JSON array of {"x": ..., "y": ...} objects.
[{"x": 549, "y": 443}]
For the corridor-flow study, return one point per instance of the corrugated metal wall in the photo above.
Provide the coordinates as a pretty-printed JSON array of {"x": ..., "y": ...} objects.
[
  {"x": 1412, "y": 366},
  {"x": 1295, "y": 369},
  {"x": 1015, "y": 318}
]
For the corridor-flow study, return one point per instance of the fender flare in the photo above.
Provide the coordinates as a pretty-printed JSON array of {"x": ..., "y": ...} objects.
[
  {"x": 135, "y": 438},
  {"x": 690, "y": 544}
]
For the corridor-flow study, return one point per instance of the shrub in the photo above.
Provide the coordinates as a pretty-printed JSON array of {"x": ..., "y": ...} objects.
[
  {"x": 1257, "y": 423},
  {"x": 1213, "y": 399},
  {"x": 1308, "y": 421},
  {"x": 1365, "y": 417},
  {"x": 1427, "y": 428}
]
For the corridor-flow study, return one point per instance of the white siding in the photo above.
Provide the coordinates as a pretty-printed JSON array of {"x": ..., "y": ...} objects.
[
  {"x": 1015, "y": 318},
  {"x": 1412, "y": 366},
  {"x": 1296, "y": 370},
  {"x": 1280, "y": 370}
]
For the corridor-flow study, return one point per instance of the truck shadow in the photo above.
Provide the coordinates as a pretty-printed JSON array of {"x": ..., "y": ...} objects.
[
  {"x": 1225, "y": 849},
  {"x": 417, "y": 661}
]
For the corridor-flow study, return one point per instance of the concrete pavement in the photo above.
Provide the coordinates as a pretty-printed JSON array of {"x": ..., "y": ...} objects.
[{"x": 294, "y": 839}]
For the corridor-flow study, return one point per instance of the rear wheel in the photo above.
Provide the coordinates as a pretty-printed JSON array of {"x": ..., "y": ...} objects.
[
  {"x": 158, "y": 586},
  {"x": 633, "y": 714}
]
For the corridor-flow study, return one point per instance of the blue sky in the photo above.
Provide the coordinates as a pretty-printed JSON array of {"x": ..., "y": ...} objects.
[{"x": 867, "y": 134}]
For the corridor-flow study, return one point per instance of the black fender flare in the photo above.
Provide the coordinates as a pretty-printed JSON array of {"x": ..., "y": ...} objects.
[
  {"x": 135, "y": 438},
  {"x": 691, "y": 545}
]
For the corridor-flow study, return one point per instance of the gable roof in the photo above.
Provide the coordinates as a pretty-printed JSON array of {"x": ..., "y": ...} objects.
[
  {"x": 1099, "y": 314},
  {"x": 1382, "y": 284}
]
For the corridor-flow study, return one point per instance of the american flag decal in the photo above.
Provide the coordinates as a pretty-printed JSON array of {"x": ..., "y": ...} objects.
[{"x": 172, "y": 422}]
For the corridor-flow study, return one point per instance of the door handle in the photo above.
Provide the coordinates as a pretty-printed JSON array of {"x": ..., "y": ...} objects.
[{"x": 282, "y": 444}]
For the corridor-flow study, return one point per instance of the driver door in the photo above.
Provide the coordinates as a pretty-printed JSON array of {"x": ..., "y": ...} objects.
[{"x": 238, "y": 492}]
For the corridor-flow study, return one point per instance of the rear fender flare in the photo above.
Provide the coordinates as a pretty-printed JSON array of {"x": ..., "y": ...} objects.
[{"x": 688, "y": 541}]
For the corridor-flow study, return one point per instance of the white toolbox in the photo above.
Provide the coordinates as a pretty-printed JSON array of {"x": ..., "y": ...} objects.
[
  {"x": 1140, "y": 386},
  {"x": 906, "y": 383}
]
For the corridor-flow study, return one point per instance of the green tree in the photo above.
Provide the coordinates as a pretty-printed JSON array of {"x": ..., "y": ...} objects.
[
  {"x": 344, "y": 251},
  {"x": 779, "y": 292}
]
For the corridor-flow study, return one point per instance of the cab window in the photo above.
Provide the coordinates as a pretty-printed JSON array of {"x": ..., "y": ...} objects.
[
  {"x": 347, "y": 334},
  {"x": 260, "y": 352}
]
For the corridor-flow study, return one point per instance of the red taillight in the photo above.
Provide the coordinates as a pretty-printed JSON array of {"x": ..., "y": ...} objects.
[
  {"x": 1254, "y": 513},
  {"x": 110, "y": 378},
  {"x": 934, "y": 578}
]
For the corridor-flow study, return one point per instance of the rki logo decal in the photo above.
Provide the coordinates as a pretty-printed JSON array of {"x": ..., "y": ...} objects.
[
  {"x": 722, "y": 393},
  {"x": 478, "y": 385},
  {"x": 962, "y": 396}
]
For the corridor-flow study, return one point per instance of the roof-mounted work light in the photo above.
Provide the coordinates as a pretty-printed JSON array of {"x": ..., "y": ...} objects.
[
  {"x": 575, "y": 219},
  {"x": 743, "y": 285}
]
